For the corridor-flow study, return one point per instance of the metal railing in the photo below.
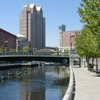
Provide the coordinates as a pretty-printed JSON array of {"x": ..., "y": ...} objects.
[{"x": 38, "y": 53}]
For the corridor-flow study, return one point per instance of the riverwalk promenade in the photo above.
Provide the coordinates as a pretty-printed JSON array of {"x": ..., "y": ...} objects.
[{"x": 87, "y": 84}]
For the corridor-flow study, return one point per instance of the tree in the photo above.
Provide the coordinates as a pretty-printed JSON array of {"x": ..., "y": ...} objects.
[
  {"x": 1, "y": 49},
  {"x": 90, "y": 12},
  {"x": 12, "y": 50},
  {"x": 66, "y": 52},
  {"x": 26, "y": 49},
  {"x": 90, "y": 15},
  {"x": 87, "y": 45}
]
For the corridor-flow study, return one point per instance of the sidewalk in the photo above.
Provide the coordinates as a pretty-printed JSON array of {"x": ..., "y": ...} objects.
[{"x": 87, "y": 85}]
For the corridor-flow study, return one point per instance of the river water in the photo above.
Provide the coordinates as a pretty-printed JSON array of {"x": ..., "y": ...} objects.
[{"x": 40, "y": 83}]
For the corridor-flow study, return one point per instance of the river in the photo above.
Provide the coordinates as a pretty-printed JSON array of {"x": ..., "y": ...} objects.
[{"x": 40, "y": 83}]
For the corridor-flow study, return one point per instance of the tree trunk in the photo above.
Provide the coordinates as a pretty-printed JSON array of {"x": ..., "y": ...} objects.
[
  {"x": 96, "y": 65},
  {"x": 87, "y": 60},
  {"x": 93, "y": 63}
]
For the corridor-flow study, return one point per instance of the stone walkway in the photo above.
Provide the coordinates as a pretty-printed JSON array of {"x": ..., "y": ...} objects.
[{"x": 87, "y": 85}]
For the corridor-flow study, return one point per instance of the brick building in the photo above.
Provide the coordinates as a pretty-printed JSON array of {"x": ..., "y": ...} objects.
[
  {"x": 7, "y": 40},
  {"x": 32, "y": 26},
  {"x": 67, "y": 38}
]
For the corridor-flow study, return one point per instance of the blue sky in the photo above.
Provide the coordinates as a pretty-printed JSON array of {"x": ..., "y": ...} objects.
[{"x": 56, "y": 12}]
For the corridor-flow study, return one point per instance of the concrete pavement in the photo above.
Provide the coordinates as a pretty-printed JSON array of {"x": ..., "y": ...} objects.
[{"x": 87, "y": 84}]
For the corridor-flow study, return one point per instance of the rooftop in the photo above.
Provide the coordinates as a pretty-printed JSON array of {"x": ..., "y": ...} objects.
[
  {"x": 19, "y": 35},
  {"x": 74, "y": 31},
  {"x": 39, "y": 8},
  {"x": 32, "y": 6}
]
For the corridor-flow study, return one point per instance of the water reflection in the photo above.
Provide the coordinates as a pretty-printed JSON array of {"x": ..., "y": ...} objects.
[{"x": 47, "y": 83}]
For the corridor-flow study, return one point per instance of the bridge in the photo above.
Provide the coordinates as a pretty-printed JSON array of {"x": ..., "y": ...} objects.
[
  {"x": 58, "y": 57},
  {"x": 47, "y": 58}
]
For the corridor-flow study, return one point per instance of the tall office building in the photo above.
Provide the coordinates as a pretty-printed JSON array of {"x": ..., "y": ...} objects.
[{"x": 32, "y": 26}]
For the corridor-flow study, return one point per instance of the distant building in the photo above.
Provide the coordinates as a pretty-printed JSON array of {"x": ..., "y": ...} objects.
[
  {"x": 7, "y": 40},
  {"x": 32, "y": 26},
  {"x": 21, "y": 42},
  {"x": 67, "y": 38}
]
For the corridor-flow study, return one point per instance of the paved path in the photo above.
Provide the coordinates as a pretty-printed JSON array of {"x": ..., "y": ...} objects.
[{"x": 87, "y": 85}]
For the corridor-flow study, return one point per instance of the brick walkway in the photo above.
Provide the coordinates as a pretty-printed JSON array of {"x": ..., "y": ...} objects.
[{"x": 87, "y": 85}]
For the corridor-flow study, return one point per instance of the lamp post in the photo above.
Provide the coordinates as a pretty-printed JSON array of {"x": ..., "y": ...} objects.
[
  {"x": 18, "y": 49},
  {"x": 5, "y": 45},
  {"x": 18, "y": 45},
  {"x": 71, "y": 45}
]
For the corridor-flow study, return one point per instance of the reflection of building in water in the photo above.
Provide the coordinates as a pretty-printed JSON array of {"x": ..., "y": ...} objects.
[
  {"x": 63, "y": 74},
  {"x": 62, "y": 71},
  {"x": 63, "y": 78},
  {"x": 32, "y": 87},
  {"x": 29, "y": 95}
]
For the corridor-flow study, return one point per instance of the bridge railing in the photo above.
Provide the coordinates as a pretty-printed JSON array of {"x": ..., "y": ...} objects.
[{"x": 38, "y": 53}]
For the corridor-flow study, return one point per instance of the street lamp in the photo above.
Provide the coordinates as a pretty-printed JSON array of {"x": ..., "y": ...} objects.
[
  {"x": 5, "y": 45},
  {"x": 71, "y": 45},
  {"x": 18, "y": 49},
  {"x": 18, "y": 45}
]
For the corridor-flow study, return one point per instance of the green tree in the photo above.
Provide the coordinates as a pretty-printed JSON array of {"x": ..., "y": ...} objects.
[
  {"x": 26, "y": 49},
  {"x": 90, "y": 12},
  {"x": 87, "y": 45},
  {"x": 66, "y": 52},
  {"x": 90, "y": 16},
  {"x": 12, "y": 50},
  {"x": 1, "y": 49}
]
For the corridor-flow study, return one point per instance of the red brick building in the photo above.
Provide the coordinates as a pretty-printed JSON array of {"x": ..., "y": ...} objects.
[
  {"x": 7, "y": 40},
  {"x": 67, "y": 38}
]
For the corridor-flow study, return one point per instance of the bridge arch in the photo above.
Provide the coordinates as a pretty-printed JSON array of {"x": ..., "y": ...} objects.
[{"x": 45, "y": 52}]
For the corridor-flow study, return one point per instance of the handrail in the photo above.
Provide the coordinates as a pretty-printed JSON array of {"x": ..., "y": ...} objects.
[
  {"x": 40, "y": 53},
  {"x": 69, "y": 92}
]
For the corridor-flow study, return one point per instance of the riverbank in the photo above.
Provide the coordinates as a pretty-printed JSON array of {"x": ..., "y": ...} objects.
[
  {"x": 15, "y": 65},
  {"x": 87, "y": 84}
]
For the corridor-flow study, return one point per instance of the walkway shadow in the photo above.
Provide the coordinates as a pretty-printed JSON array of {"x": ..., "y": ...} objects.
[{"x": 97, "y": 75}]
